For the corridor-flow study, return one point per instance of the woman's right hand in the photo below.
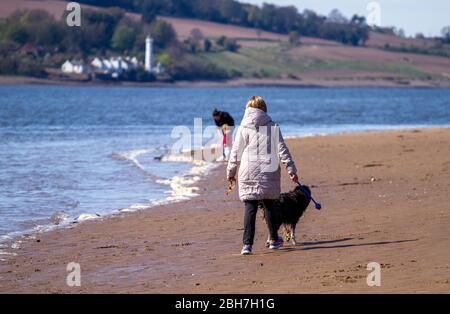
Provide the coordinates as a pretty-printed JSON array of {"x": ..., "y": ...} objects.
[{"x": 294, "y": 179}]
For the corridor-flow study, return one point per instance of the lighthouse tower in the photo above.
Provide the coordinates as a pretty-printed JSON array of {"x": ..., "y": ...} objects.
[{"x": 149, "y": 54}]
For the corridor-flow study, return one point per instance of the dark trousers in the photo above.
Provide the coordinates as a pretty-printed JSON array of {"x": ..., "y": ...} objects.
[{"x": 251, "y": 208}]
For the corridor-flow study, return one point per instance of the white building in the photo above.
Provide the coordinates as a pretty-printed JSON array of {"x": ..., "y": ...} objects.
[
  {"x": 134, "y": 61},
  {"x": 74, "y": 67},
  {"x": 116, "y": 65},
  {"x": 99, "y": 64},
  {"x": 149, "y": 54}
]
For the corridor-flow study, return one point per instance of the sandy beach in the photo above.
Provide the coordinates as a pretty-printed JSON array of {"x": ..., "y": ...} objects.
[{"x": 386, "y": 199}]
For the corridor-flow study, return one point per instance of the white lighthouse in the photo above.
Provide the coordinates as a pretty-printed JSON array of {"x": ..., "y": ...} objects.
[{"x": 149, "y": 54}]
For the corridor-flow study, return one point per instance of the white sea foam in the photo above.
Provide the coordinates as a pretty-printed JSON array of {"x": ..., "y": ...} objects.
[
  {"x": 182, "y": 187},
  {"x": 8, "y": 253},
  {"x": 59, "y": 218},
  {"x": 185, "y": 187},
  {"x": 134, "y": 208},
  {"x": 86, "y": 217},
  {"x": 16, "y": 245},
  {"x": 5, "y": 249},
  {"x": 133, "y": 157}
]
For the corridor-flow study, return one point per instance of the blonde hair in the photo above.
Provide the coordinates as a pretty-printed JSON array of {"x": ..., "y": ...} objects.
[{"x": 258, "y": 103}]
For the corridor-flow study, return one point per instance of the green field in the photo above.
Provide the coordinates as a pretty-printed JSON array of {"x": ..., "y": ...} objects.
[{"x": 277, "y": 62}]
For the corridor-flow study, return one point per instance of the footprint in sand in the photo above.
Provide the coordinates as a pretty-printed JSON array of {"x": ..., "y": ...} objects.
[
  {"x": 446, "y": 166},
  {"x": 373, "y": 165}
]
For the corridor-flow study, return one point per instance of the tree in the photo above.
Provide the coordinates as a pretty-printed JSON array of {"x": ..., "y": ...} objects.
[
  {"x": 163, "y": 33},
  {"x": 358, "y": 20},
  {"x": 268, "y": 16},
  {"x": 207, "y": 44},
  {"x": 149, "y": 10},
  {"x": 221, "y": 41},
  {"x": 364, "y": 35},
  {"x": 311, "y": 24},
  {"x": 30, "y": 67},
  {"x": 286, "y": 19},
  {"x": 360, "y": 30},
  {"x": 8, "y": 65},
  {"x": 231, "y": 12},
  {"x": 294, "y": 38},
  {"x": 399, "y": 32},
  {"x": 231, "y": 44},
  {"x": 191, "y": 69},
  {"x": 195, "y": 39},
  {"x": 336, "y": 16},
  {"x": 446, "y": 34},
  {"x": 17, "y": 33},
  {"x": 196, "y": 35},
  {"x": 420, "y": 36},
  {"x": 254, "y": 17},
  {"x": 98, "y": 28},
  {"x": 49, "y": 34},
  {"x": 35, "y": 26},
  {"x": 124, "y": 38},
  {"x": 165, "y": 60}
]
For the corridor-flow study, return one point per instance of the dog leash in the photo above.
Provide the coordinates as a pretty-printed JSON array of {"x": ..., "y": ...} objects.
[
  {"x": 309, "y": 195},
  {"x": 231, "y": 185}
]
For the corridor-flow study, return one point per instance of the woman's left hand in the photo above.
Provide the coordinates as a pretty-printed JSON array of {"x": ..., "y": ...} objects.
[{"x": 294, "y": 178}]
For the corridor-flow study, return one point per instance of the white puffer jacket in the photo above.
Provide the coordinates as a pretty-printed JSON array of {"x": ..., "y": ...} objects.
[{"x": 257, "y": 151}]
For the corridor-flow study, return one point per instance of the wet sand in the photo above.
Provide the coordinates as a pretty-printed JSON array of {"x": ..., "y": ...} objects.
[{"x": 386, "y": 199}]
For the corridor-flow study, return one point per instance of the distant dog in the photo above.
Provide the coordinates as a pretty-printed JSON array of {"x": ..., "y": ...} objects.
[{"x": 289, "y": 209}]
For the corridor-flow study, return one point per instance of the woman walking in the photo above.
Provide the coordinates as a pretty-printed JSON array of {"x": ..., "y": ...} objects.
[{"x": 257, "y": 151}]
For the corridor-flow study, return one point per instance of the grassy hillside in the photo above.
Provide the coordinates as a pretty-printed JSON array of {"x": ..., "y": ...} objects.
[{"x": 279, "y": 62}]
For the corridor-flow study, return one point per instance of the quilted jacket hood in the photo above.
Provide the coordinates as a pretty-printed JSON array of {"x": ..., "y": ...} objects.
[{"x": 254, "y": 118}]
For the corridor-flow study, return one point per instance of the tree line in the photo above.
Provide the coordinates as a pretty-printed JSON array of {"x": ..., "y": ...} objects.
[
  {"x": 268, "y": 17},
  {"x": 102, "y": 30}
]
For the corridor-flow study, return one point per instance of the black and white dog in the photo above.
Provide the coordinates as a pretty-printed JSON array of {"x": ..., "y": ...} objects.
[{"x": 289, "y": 209}]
